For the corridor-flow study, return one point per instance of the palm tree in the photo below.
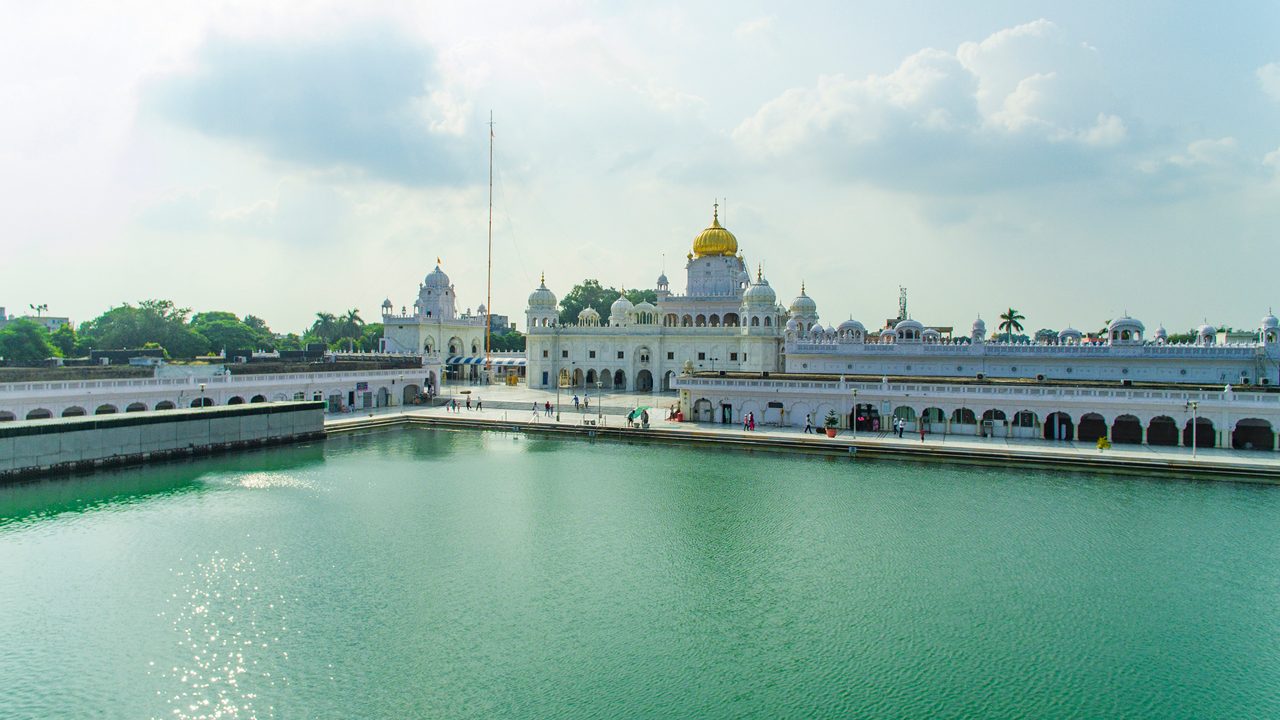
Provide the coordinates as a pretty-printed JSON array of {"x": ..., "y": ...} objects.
[
  {"x": 1010, "y": 323},
  {"x": 325, "y": 327},
  {"x": 351, "y": 327}
]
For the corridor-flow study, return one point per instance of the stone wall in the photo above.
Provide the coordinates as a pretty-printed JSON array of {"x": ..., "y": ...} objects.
[{"x": 40, "y": 447}]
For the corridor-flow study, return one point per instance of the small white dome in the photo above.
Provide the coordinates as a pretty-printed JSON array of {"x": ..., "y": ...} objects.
[
  {"x": 1070, "y": 332},
  {"x": 662, "y": 279},
  {"x": 817, "y": 329},
  {"x": 1161, "y": 333},
  {"x": 852, "y": 326},
  {"x": 979, "y": 325},
  {"x": 644, "y": 306},
  {"x": 386, "y": 303},
  {"x": 620, "y": 307},
  {"x": 588, "y": 313},
  {"x": 1270, "y": 322},
  {"x": 803, "y": 304},
  {"x": 909, "y": 324},
  {"x": 930, "y": 333},
  {"x": 436, "y": 279},
  {"x": 886, "y": 333},
  {"x": 542, "y": 297},
  {"x": 1126, "y": 323},
  {"x": 793, "y": 325},
  {"x": 1206, "y": 329},
  {"x": 759, "y": 293}
]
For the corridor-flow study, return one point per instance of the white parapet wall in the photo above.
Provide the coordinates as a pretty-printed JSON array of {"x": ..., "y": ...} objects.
[{"x": 39, "y": 447}]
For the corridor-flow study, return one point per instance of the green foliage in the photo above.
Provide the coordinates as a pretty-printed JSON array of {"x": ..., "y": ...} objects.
[
  {"x": 370, "y": 337},
  {"x": 158, "y": 321},
  {"x": 510, "y": 341},
  {"x": 292, "y": 341},
  {"x": 64, "y": 339},
  {"x": 1010, "y": 322},
  {"x": 225, "y": 331},
  {"x": 832, "y": 420},
  {"x": 1045, "y": 334},
  {"x": 23, "y": 342},
  {"x": 589, "y": 293}
]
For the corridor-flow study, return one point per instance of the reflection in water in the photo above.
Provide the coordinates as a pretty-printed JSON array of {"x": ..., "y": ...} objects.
[
  {"x": 233, "y": 635},
  {"x": 34, "y": 501}
]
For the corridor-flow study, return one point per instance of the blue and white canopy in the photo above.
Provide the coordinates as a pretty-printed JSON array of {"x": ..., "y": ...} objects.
[{"x": 479, "y": 360}]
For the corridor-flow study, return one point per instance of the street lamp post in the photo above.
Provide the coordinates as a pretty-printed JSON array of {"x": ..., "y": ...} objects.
[
  {"x": 202, "y": 395},
  {"x": 853, "y": 426},
  {"x": 599, "y": 403},
  {"x": 1192, "y": 407}
]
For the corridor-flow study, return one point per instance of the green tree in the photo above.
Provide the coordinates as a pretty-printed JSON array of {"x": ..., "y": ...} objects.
[
  {"x": 370, "y": 337},
  {"x": 225, "y": 331},
  {"x": 1010, "y": 323},
  {"x": 510, "y": 341},
  {"x": 325, "y": 328},
  {"x": 23, "y": 342},
  {"x": 1046, "y": 335},
  {"x": 158, "y": 321},
  {"x": 350, "y": 327},
  {"x": 589, "y": 293},
  {"x": 292, "y": 341},
  {"x": 64, "y": 338}
]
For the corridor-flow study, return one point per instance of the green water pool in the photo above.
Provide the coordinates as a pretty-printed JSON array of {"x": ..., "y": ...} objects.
[{"x": 420, "y": 573}]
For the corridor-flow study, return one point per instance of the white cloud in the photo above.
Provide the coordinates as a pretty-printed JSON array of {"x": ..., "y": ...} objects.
[
  {"x": 1207, "y": 152},
  {"x": 754, "y": 29},
  {"x": 1269, "y": 79},
  {"x": 1272, "y": 160}
]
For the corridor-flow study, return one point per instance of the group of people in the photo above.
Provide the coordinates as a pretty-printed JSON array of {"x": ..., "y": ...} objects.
[
  {"x": 749, "y": 422},
  {"x": 453, "y": 406},
  {"x": 546, "y": 409},
  {"x": 585, "y": 406}
]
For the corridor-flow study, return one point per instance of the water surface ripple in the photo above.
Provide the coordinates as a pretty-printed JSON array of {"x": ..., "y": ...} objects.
[{"x": 418, "y": 573}]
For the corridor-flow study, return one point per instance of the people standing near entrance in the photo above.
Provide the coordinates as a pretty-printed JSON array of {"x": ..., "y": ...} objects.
[{"x": 808, "y": 423}]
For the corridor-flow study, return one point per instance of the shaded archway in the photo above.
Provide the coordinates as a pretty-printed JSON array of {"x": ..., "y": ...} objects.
[
  {"x": 1163, "y": 431},
  {"x": 410, "y": 394},
  {"x": 165, "y": 405},
  {"x": 907, "y": 415},
  {"x": 591, "y": 377},
  {"x": 1024, "y": 424},
  {"x": 994, "y": 423},
  {"x": 106, "y": 409},
  {"x": 731, "y": 319},
  {"x": 39, "y": 414},
  {"x": 235, "y": 400},
  {"x": 201, "y": 402},
  {"x": 1126, "y": 430},
  {"x": 644, "y": 381},
  {"x": 686, "y": 321},
  {"x": 1205, "y": 436},
  {"x": 668, "y": 380},
  {"x": 933, "y": 420},
  {"x": 963, "y": 421},
  {"x": 702, "y": 410},
  {"x": 136, "y": 407},
  {"x": 1059, "y": 426},
  {"x": 578, "y": 377},
  {"x": 73, "y": 411},
  {"x": 1092, "y": 427},
  {"x": 258, "y": 399},
  {"x": 619, "y": 380},
  {"x": 7, "y": 416},
  {"x": 1253, "y": 434},
  {"x": 700, "y": 321},
  {"x": 564, "y": 377}
]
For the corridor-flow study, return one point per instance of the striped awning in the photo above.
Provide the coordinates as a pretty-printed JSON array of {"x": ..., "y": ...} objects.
[{"x": 479, "y": 360}]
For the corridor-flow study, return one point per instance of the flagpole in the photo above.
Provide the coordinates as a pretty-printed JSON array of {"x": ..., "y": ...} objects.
[{"x": 488, "y": 297}]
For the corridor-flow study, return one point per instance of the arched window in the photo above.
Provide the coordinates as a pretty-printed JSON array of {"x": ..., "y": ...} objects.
[
  {"x": 755, "y": 321},
  {"x": 768, "y": 321}
]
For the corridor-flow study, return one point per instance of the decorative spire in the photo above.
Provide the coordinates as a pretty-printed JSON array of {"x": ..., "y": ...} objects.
[
  {"x": 715, "y": 213},
  {"x": 543, "y": 278},
  {"x": 802, "y": 293},
  {"x": 759, "y": 272}
]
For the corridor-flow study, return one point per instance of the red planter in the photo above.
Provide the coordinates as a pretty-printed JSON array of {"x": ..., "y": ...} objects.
[{"x": 831, "y": 432}]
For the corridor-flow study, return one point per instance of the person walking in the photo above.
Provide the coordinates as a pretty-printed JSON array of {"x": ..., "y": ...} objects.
[
  {"x": 751, "y": 422},
  {"x": 575, "y": 402},
  {"x": 535, "y": 412},
  {"x": 808, "y": 423},
  {"x": 478, "y": 402},
  {"x": 921, "y": 432},
  {"x": 547, "y": 408},
  {"x": 468, "y": 402},
  {"x": 746, "y": 420}
]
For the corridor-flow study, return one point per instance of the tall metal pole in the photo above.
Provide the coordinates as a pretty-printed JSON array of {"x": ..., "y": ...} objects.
[{"x": 488, "y": 296}]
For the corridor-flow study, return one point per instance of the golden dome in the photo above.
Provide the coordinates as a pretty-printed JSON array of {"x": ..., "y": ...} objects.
[{"x": 715, "y": 240}]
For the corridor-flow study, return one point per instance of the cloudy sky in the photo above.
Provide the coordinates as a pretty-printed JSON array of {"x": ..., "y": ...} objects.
[{"x": 1074, "y": 160}]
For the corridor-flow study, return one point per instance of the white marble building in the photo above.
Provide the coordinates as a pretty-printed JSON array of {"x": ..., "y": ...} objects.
[
  {"x": 434, "y": 326},
  {"x": 725, "y": 320}
]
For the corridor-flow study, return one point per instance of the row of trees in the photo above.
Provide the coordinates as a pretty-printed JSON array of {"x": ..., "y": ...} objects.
[{"x": 590, "y": 293}]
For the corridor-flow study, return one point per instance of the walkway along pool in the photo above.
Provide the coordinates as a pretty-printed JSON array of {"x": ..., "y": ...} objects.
[{"x": 414, "y": 572}]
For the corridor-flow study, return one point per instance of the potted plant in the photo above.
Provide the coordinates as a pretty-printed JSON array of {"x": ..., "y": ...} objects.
[{"x": 832, "y": 422}]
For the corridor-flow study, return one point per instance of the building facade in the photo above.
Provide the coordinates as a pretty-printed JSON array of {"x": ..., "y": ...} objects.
[
  {"x": 434, "y": 326},
  {"x": 725, "y": 320}
]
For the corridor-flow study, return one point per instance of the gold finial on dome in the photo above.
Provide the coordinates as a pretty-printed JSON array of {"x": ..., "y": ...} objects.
[
  {"x": 802, "y": 292},
  {"x": 543, "y": 279},
  {"x": 759, "y": 272},
  {"x": 715, "y": 240}
]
